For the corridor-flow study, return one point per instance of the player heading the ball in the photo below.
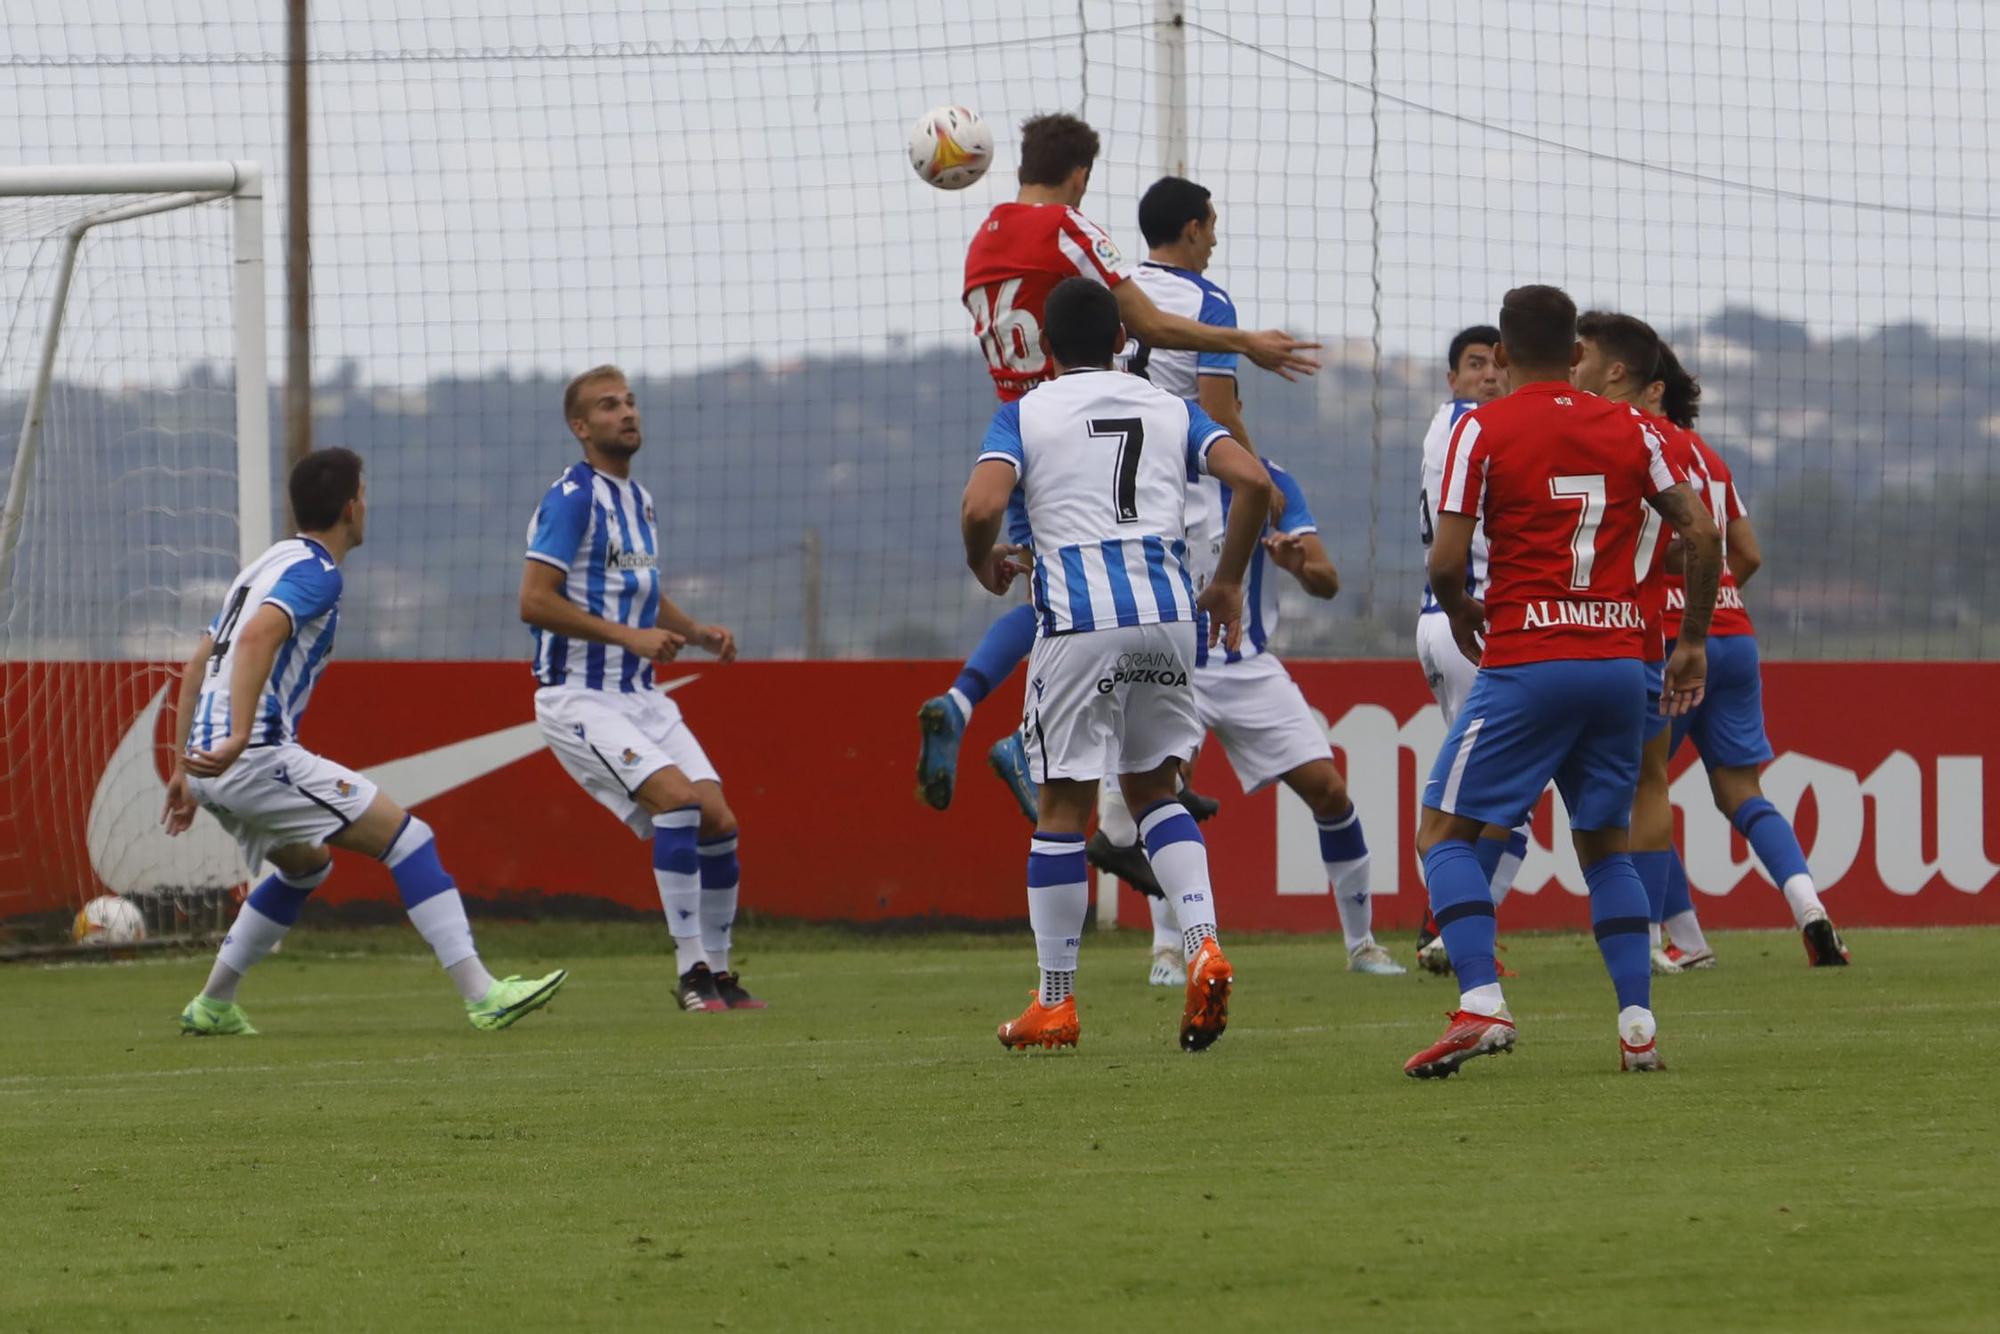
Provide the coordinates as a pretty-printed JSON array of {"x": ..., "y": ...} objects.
[
  {"x": 1102, "y": 461},
  {"x": 1019, "y": 254},
  {"x": 237, "y": 754}
]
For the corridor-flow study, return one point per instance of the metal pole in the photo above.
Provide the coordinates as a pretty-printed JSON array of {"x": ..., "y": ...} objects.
[
  {"x": 253, "y": 397},
  {"x": 298, "y": 248},
  {"x": 814, "y": 548},
  {"x": 1375, "y": 313},
  {"x": 1170, "y": 89}
]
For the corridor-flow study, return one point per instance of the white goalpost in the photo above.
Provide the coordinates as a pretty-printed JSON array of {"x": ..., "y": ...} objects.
[{"x": 135, "y": 435}]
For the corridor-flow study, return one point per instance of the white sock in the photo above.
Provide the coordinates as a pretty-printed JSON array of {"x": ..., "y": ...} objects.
[
  {"x": 1636, "y": 1026},
  {"x": 1166, "y": 931},
  {"x": 1485, "y": 1000},
  {"x": 1685, "y": 928},
  {"x": 1509, "y": 866},
  {"x": 1356, "y": 904},
  {"x": 251, "y": 936},
  {"x": 1653, "y": 932},
  {"x": 680, "y": 883},
  {"x": 1803, "y": 899},
  {"x": 440, "y": 920},
  {"x": 1114, "y": 817},
  {"x": 961, "y": 703},
  {"x": 1181, "y": 867},
  {"x": 1056, "y": 910}
]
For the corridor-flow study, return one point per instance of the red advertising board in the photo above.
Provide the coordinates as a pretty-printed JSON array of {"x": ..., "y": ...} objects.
[{"x": 1892, "y": 780}]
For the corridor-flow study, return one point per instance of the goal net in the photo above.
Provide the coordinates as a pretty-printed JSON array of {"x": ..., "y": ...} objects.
[{"x": 133, "y": 423}]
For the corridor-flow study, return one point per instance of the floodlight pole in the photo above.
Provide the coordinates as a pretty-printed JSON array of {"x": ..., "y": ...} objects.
[{"x": 298, "y": 246}]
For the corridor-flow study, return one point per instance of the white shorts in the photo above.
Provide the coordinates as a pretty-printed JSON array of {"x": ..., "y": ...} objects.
[
  {"x": 611, "y": 743},
  {"x": 1101, "y": 702},
  {"x": 1261, "y": 717},
  {"x": 283, "y": 796},
  {"x": 1449, "y": 672}
]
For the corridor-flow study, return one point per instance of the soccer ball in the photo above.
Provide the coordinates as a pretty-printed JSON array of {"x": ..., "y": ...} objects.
[
  {"x": 108, "y": 920},
  {"x": 950, "y": 147}
]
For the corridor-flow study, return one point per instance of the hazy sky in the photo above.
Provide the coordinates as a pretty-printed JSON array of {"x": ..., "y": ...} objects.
[{"x": 542, "y": 185}]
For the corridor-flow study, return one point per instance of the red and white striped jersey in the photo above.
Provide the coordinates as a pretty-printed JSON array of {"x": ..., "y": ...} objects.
[
  {"x": 1559, "y": 477},
  {"x": 1678, "y": 446},
  {"x": 1718, "y": 488},
  {"x": 1020, "y": 253}
]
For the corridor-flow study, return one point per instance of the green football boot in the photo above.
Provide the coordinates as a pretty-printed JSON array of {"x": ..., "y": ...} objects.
[
  {"x": 205, "y": 1018},
  {"x": 512, "y": 997}
]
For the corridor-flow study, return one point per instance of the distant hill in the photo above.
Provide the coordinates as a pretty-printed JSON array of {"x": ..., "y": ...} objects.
[{"x": 1868, "y": 462}]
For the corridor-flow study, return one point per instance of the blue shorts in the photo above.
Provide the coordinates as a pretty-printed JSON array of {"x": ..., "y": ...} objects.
[
  {"x": 1579, "y": 722},
  {"x": 1656, "y": 685},
  {"x": 1728, "y": 724}
]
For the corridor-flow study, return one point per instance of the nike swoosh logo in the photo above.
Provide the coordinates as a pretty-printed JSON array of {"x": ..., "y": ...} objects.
[{"x": 131, "y": 853}]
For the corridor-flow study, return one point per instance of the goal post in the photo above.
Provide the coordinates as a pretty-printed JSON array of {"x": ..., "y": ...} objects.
[
  {"x": 167, "y": 186},
  {"x": 135, "y": 434}
]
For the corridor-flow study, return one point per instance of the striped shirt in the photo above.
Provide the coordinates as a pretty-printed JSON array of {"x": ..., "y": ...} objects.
[
  {"x": 1208, "y": 520},
  {"x": 1104, "y": 461},
  {"x": 300, "y": 578},
  {"x": 601, "y": 532},
  {"x": 1437, "y": 443},
  {"x": 1185, "y": 293}
]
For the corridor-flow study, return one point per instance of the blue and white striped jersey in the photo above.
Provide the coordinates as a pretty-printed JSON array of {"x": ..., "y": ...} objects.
[
  {"x": 601, "y": 533},
  {"x": 300, "y": 578},
  {"x": 1437, "y": 444},
  {"x": 1208, "y": 519},
  {"x": 1186, "y": 293},
  {"x": 1104, "y": 461}
]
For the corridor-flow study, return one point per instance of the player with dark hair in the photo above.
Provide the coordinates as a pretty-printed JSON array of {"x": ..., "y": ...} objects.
[
  {"x": 1021, "y": 251},
  {"x": 1562, "y": 480},
  {"x": 1621, "y": 358},
  {"x": 1473, "y": 378},
  {"x": 1243, "y": 695},
  {"x": 1728, "y": 724},
  {"x": 1102, "y": 462},
  {"x": 237, "y": 753}
]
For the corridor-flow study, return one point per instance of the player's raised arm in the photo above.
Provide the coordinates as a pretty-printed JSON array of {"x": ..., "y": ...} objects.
[{"x": 1273, "y": 349}]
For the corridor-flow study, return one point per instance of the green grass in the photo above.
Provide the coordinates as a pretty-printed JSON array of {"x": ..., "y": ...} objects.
[{"x": 864, "y": 1155}]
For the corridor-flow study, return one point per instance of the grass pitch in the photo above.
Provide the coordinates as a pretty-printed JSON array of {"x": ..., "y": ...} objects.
[{"x": 864, "y": 1154}]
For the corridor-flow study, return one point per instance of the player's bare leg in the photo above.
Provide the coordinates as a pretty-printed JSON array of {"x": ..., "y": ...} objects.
[
  {"x": 1058, "y": 901},
  {"x": 1652, "y": 836},
  {"x": 1179, "y": 859},
  {"x": 1344, "y": 851},
  {"x": 405, "y": 844},
  {"x": 1739, "y": 795},
  {"x": 678, "y": 814}
]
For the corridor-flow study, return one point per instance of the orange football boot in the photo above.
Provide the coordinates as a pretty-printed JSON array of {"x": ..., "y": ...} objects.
[
  {"x": 1041, "y": 1026},
  {"x": 1209, "y": 978}
]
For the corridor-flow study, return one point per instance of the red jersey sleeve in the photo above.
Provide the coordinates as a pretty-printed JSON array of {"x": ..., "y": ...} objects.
[
  {"x": 1089, "y": 251},
  {"x": 1663, "y": 471},
  {"x": 1464, "y": 468}
]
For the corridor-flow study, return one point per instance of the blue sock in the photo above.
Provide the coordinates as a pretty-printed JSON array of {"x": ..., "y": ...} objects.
[
  {"x": 1462, "y": 903},
  {"x": 1618, "y": 916},
  {"x": 1678, "y": 898},
  {"x": 1488, "y": 852},
  {"x": 1770, "y": 836},
  {"x": 1653, "y": 869},
  {"x": 412, "y": 860},
  {"x": 281, "y": 899},
  {"x": 1340, "y": 839},
  {"x": 1005, "y": 643},
  {"x": 721, "y": 882}
]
